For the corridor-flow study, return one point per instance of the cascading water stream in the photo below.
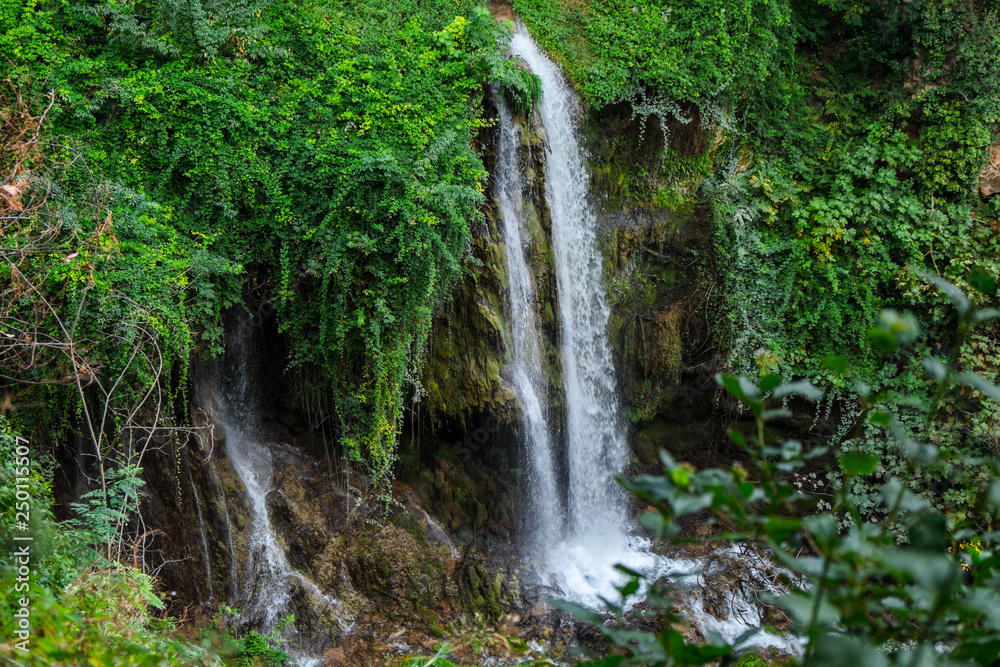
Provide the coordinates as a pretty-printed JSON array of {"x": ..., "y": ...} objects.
[
  {"x": 204, "y": 543},
  {"x": 579, "y": 558},
  {"x": 597, "y": 535},
  {"x": 597, "y": 448},
  {"x": 267, "y": 590},
  {"x": 546, "y": 517}
]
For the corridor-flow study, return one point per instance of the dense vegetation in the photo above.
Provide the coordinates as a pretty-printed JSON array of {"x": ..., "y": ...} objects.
[
  {"x": 163, "y": 161},
  {"x": 319, "y": 157}
]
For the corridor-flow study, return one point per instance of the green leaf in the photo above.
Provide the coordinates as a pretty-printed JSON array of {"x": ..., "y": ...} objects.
[
  {"x": 791, "y": 449},
  {"x": 576, "y": 611},
  {"x": 936, "y": 370},
  {"x": 778, "y": 529},
  {"x": 939, "y": 572},
  {"x": 880, "y": 418},
  {"x": 836, "y": 364},
  {"x": 985, "y": 315},
  {"x": 858, "y": 463},
  {"x": 883, "y": 340},
  {"x": 688, "y": 504},
  {"x": 746, "y": 391},
  {"x": 769, "y": 382},
  {"x": 660, "y": 525},
  {"x": 993, "y": 496},
  {"x": 630, "y": 588},
  {"x": 823, "y": 526},
  {"x": 864, "y": 390},
  {"x": 834, "y": 650},
  {"x": 668, "y": 461},
  {"x": 804, "y": 388},
  {"x": 816, "y": 452},
  {"x": 983, "y": 282},
  {"x": 800, "y": 605},
  {"x": 988, "y": 389},
  {"x": 955, "y": 295}
]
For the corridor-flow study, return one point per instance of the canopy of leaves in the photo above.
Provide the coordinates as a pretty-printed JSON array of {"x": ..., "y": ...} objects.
[{"x": 327, "y": 148}]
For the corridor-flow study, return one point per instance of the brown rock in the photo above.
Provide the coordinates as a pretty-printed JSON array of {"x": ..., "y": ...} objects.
[
  {"x": 989, "y": 180},
  {"x": 335, "y": 657},
  {"x": 502, "y": 10}
]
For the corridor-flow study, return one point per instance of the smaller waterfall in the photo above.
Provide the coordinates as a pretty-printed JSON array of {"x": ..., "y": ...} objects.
[
  {"x": 528, "y": 379},
  {"x": 204, "y": 542},
  {"x": 267, "y": 590}
]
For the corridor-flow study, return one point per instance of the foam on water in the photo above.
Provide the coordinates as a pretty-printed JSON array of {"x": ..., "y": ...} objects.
[{"x": 589, "y": 576}]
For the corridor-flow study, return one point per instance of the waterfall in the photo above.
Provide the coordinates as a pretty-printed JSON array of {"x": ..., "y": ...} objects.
[
  {"x": 581, "y": 548},
  {"x": 597, "y": 534},
  {"x": 597, "y": 447},
  {"x": 204, "y": 542},
  {"x": 528, "y": 380},
  {"x": 267, "y": 591}
]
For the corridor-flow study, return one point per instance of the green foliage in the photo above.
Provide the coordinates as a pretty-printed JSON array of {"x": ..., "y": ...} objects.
[
  {"x": 170, "y": 28},
  {"x": 32, "y": 31},
  {"x": 872, "y": 171},
  {"x": 321, "y": 153},
  {"x": 105, "y": 513},
  {"x": 83, "y": 609},
  {"x": 258, "y": 651},
  {"x": 657, "y": 54},
  {"x": 853, "y": 593},
  {"x": 58, "y": 551}
]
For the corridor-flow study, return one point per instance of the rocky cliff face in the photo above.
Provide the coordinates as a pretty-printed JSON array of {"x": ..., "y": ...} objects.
[
  {"x": 989, "y": 180},
  {"x": 466, "y": 431},
  {"x": 658, "y": 260},
  {"x": 460, "y": 459},
  {"x": 660, "y": 268}
]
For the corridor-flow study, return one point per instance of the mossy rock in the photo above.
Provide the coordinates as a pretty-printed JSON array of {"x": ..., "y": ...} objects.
[{"x": 686, "y": 441}]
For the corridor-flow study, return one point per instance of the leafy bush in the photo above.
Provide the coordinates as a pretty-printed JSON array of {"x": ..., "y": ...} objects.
[
  {"x": 856, "y": 595},
  {"x": 83, "y": 610},
  {"x": 320, "y": 154},
  {"x": 258, "y": 651}
]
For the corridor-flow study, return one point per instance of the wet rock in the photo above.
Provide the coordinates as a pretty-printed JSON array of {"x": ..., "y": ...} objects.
[
  {"x": 688, "y": 441},
  {"x": 989, "y": 179}
]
